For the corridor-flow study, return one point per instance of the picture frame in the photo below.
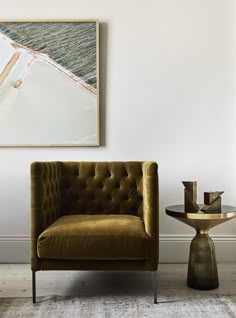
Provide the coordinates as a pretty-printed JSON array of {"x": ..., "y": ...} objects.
[{"x": 49, "y": 83}]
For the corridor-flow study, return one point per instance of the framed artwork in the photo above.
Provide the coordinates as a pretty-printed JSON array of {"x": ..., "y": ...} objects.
[{"x": 49, "y": 83}]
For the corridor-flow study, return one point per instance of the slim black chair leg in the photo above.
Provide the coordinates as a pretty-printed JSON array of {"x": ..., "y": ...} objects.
[
  {"x": 34, "y": 287},
  {"x": 154, "y": 282}
]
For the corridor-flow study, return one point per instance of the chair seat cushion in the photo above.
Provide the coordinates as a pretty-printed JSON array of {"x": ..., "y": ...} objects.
[{"x": 97, "y": 237}]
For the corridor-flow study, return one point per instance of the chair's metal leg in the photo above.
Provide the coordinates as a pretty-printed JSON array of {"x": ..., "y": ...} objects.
[
  {"x": 154, "y": 282},
  {"x": 33, "y": 287}
]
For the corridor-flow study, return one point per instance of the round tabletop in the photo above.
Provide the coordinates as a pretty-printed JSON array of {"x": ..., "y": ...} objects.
[
  {"x": 201, "y": 221},
  {"x": 227, "y": 211}
]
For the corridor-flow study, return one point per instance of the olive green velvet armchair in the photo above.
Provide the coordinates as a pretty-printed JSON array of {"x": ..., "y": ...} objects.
[{"x": 94, "y": 216}]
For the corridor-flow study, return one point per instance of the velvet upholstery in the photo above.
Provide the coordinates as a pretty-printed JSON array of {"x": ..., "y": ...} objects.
[
  {"x": 94, "y": 215},
  {"x": 98, "y": 237}
]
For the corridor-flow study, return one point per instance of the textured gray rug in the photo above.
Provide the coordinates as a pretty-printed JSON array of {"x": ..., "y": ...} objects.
[{"x": 197, "y": 306}]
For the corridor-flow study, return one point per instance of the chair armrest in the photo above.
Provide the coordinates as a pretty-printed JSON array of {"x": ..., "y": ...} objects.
[
  {"x": 151, "y": 199},
  {"x": 45, "y": 201}
]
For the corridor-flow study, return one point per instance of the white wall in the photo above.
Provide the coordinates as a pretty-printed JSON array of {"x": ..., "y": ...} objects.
[{"x": 168, "y": 75}]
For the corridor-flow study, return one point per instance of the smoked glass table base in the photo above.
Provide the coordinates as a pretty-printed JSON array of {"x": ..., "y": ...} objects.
[{"x": 202, "y": 267}]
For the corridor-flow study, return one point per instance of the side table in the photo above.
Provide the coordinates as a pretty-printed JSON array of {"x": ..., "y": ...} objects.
[{"x": 202, "y": 266}]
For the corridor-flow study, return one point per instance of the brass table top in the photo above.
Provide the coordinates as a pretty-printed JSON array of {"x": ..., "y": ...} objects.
[{"x": 200, "y": 221}]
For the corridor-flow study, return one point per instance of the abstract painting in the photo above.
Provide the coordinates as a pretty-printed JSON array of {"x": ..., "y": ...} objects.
[{"x": 49, "y": 88}]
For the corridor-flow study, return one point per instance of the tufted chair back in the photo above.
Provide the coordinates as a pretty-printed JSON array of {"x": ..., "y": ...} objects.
[{"x": 102, "y": 187}]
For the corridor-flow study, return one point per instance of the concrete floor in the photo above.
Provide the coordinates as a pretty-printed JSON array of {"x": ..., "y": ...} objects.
[{"x": 15, "y": 281}]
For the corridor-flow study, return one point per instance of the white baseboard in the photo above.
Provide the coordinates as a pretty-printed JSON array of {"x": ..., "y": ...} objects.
[
  {"x": 14, "y": 249},
  {"x": 173, "y": 248}
]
